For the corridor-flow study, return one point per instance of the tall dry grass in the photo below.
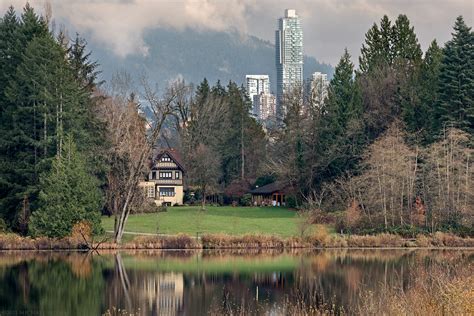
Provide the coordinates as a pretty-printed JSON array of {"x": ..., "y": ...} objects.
[
  {"x": 321, "y": 238},
  {"x": 180, "y": 241},
  {"x": 442, "y": 290}
]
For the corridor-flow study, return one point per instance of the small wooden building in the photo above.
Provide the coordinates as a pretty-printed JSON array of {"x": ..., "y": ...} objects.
[{"x": 272, "y": 194}]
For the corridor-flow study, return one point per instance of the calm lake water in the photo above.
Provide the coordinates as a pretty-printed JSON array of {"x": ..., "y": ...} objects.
[{"x": 195, "y": 283}]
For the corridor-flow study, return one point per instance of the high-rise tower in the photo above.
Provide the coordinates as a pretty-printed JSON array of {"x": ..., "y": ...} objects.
[{"x": 289, "y": 56}]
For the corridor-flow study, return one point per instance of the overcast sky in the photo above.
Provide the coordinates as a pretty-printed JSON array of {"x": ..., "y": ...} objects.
[{"x": 328, "y": 25}]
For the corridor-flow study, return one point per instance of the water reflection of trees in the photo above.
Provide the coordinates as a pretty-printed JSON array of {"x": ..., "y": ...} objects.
[
  {"x": 50, "y": 286},
  {"x": 78, "y": 284}
]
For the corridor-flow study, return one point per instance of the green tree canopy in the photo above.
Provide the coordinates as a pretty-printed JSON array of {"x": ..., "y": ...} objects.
[
  {"x": 68, "y": 195},
  {"x": 455, "y": 105}
]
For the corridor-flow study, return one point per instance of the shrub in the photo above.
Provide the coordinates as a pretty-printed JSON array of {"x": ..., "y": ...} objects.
[
  {"x": 321, "y": 217},
  {"x": 422, "y": 241},
  {"x": 246, "y": 200},
  {"x": 81, "y": 234},
  {"x": 291, "y": 201},
  {"x": 320, "y": 237},
  {"x": 146, "y": 206},
  {"x": 162, "y": 208}
]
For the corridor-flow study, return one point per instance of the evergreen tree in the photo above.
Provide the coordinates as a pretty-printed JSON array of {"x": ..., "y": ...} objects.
[
  {"x": 69, "y": 194},
  {"x": 218, "y": 90},
  {"x": 377, "y": 50},
  {"x": 405, "y": 46},
  {"x": 84, "y": 73},
  {"x": 418, "y": 116},
  {"x": 386, "y": 41},
  {"x": 17, "y": 158},
  {"x": 31, "y": 26},
  {"x": 43, "y": 99},
  {"x": 84, "y": 70},
  {"x": 456, "y": 81},
  {"x": 340, "y": 105},
  {"x": 370, "y": 49},
  {"x": 9, "y": 55},
  {"x": 406, "y": 66},
  {"x": 233, "y": 143},
  {"x": 341, "y": 134},
  {"x": 202, "y": 92}
]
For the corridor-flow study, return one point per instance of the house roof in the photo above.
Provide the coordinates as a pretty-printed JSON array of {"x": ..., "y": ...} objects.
[
  {"x": 269, "y": 188},
  {"x": 173, "y": 154}
]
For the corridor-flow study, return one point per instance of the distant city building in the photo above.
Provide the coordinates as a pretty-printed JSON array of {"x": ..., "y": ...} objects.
[
  {"x": 257, "y": 84},
  {"x": 289, "y": 56},
  {"x": 263, "y": 102},
  {"x": 318, "y": 87},
  {"x": 264, "y": 106}
]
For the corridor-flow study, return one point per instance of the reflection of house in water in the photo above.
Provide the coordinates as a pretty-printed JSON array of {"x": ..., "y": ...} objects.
[{"x": 164, "y": 293}]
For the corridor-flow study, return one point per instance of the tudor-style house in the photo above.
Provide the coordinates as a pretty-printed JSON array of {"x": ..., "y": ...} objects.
[{"x": 165, "y": 180}]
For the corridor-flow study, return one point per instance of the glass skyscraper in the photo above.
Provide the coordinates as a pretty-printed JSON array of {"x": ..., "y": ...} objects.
[{"x": 289, "y": 56}]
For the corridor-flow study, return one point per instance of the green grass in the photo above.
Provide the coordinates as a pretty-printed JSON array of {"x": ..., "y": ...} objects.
[{"x": 229, "y": 220}]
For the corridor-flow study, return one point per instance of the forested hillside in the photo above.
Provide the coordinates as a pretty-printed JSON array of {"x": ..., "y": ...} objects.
[{"x": 196, "y": 54}]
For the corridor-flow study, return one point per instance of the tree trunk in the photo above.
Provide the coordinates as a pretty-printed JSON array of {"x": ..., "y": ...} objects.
[
  {"x": 203, "y": 200},
  {"x": 133, "y": 179}
]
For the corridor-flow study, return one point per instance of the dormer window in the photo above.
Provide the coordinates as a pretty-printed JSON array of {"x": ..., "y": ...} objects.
[{"x": 165, "y": 159}]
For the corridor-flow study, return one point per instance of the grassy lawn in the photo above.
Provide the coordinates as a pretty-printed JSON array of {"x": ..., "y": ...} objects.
[{"x": 226, "y": 219}]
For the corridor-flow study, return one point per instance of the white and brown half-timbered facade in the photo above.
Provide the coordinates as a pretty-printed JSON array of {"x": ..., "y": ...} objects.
[{"x": 165, "y": 182}]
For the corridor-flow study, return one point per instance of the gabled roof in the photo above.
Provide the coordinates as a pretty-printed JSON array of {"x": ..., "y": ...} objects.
[
  {"x": 173, "y": 154},
  {"x": 269, "y": 188}
]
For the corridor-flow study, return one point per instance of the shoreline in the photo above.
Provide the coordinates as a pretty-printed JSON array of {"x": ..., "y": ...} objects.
[
  {"x": 230, "y": 250},
  {"x": 12, "y": 242}
]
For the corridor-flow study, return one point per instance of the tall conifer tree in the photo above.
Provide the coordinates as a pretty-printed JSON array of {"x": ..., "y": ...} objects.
[{"x": 455, "y": 105}]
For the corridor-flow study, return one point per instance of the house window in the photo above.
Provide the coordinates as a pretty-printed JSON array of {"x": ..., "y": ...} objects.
[
  {"x": 176, "y": 174},
  {"x": 166, "y": 191},
  {"x": 151, "y": 192},
  {"x": 153, "y": 175},
  {"x": 166, "y": 175},
  {"x": 165, "y": 159}
]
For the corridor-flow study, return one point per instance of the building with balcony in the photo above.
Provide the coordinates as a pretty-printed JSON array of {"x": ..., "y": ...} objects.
[
  {"x": 289, "y": 57},
  {"x": 165, "y": 182}
]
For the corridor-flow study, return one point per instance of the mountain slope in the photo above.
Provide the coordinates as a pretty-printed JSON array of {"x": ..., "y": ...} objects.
[{"x": 195, "y": 55}]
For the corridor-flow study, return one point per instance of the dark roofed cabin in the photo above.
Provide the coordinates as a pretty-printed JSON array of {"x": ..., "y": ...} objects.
[{"x": 272, "y": 194}]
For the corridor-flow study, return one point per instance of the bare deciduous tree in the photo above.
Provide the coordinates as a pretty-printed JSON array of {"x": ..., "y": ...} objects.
[
  {"x": 132, "y": 138},
  {"x": 448, "y": 178},
  {"x": 387, "y": 186}
]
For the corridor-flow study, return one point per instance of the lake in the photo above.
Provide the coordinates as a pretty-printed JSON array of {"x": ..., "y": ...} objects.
[{"x": 208, "y": 282}]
